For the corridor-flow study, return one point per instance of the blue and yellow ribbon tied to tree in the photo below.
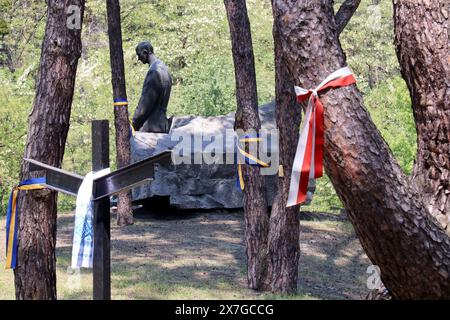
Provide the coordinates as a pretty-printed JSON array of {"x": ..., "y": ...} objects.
[
  {"x": 11, "y": 218},
  {"x": 124, "y": 103},
  {"x": 248, "y": 158}
]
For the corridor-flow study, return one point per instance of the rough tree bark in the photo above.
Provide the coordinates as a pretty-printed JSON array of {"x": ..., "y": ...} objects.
[
  {"x": 283, "y": 239},
  {"x": 422, "y": 42},
  {"x": 247, "y": 118},
  {"x": 388, "y": 212},
  {"x": 35, "y": 274},
  {"x": 121, "y": 118},
  {"x": 345, "y": 13}
]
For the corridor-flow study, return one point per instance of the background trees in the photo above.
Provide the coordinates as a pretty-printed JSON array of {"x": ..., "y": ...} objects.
[
  {"x": 367, "y": 40},
  {"x": 207, "y": 56},
  {"x": 121, "y": 116}
]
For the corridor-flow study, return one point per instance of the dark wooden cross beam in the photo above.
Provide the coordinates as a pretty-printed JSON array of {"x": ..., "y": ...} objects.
[
  {"x": 110, "y": 184},
  {"x": 123, "y": 179},
  {"x": 57, "y": 179},
  {"x": 128, "y": 177}
]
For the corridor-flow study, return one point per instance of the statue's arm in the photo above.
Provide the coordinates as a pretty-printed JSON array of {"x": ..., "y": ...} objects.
[{"x": 149, "y": 96}]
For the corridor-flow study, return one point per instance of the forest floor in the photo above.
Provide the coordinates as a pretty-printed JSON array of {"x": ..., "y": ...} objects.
[{"x": 201, "y": 255}]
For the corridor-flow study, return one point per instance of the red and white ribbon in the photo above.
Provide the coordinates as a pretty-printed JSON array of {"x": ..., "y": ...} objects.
[{"x": 308, "y": 162}]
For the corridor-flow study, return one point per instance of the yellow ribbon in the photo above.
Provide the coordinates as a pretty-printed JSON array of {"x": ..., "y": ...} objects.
[
  {"x": 11, "y": 254},
  {"x": 124, "y": 103},
  {"x": 121, "y": 103},
  {"x": 248, "y": 156},
  {"x": 133, "y": 132}
]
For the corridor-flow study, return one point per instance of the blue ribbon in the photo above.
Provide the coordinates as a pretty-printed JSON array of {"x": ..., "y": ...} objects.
[
  {"x": 12, "y": 220},
  {"x": 248, "y": 158},
  {"x": 119, "y": 100}
]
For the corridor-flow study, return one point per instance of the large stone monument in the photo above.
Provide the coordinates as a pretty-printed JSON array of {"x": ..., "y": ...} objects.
[{"x": 196, "y": 186}]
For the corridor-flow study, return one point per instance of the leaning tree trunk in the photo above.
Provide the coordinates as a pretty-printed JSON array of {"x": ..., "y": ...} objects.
[
  {"x": 35, "y": 274},
  {"x": 422, "y": 42},
  {"x": 283, "y": 239},
  {"x": 121, "y": 119},
  {"x": 389, "y": 213},
  {"x": 247, "y": 117},
  {"x": 345, "y": 13}
]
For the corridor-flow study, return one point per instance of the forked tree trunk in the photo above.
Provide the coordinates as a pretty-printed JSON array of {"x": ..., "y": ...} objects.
[
  {"x": 422, "y": 42},
  {"x": 247, "y": 117},
  {"x": 388, "y": 212},
  {"x": 121, "y": 118},
  {"x": 283, "y": 239},
  {"x": 35, "y": 274}
]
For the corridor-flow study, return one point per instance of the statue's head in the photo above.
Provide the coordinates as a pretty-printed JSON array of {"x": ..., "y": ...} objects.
[{"x": 143, "y": 50}]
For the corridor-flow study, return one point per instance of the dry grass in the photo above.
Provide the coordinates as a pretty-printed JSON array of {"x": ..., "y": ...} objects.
[{"x": 202, "y": 256}]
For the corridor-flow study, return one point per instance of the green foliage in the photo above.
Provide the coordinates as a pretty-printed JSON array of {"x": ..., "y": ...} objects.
[
  {"x": 24, "y": 25},
  {"x": 368, "y": 43},
  {"x": 13, "y": 124},
  {"x": 325, "y": 198},
  {"x": 192, "y": 38},
  {"x": 212, "y": 95},
  {"x": 390, "y": 108},
  {"x": 5, "y": 5},
  {"x": 4, "y": 28}
]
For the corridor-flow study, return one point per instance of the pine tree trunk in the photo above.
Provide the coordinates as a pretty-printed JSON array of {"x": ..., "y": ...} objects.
[
  {"x": 121, "y": 118},
  {"x": 345, "y": 13},
  {"x": 35, "y": 274},
  {"x": 388, "y": 212},
  {"x": 247, "y": 117},
  {"x": 283, "y": 239},
  {"x": 422, "y": 42}
]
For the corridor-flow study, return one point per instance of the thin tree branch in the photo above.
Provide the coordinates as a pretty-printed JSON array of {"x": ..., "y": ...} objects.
[{"x": 345, "y": 13}]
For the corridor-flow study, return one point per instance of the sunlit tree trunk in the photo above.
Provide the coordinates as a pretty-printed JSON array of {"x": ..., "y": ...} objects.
[
  {"x": 422, "y": 42},
  {"x": 35, "y": 274},
  {"x": 283, "y": 239},
  {"x": 121, "y": 122},
  {"x": 247, "y": 117}
]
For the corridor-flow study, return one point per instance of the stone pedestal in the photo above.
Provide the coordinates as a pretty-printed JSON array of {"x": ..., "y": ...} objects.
[{"x": 196, "y": 186}]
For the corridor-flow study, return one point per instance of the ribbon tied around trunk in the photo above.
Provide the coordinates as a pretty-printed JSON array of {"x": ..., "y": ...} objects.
[{"x": 308, "y": 162}]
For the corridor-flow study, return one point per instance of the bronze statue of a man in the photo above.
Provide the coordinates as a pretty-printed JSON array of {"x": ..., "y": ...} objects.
[{"x": 150, "y": 114}]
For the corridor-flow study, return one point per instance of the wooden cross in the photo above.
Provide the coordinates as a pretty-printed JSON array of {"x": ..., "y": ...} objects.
[{"x": 122, "y": 179}]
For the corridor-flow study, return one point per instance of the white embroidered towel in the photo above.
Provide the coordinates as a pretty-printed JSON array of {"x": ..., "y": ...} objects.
[{"x": 83, "y": 236}]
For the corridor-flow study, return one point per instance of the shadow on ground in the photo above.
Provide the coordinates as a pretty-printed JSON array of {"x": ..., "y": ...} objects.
[{"x": 201, "y": 255}]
